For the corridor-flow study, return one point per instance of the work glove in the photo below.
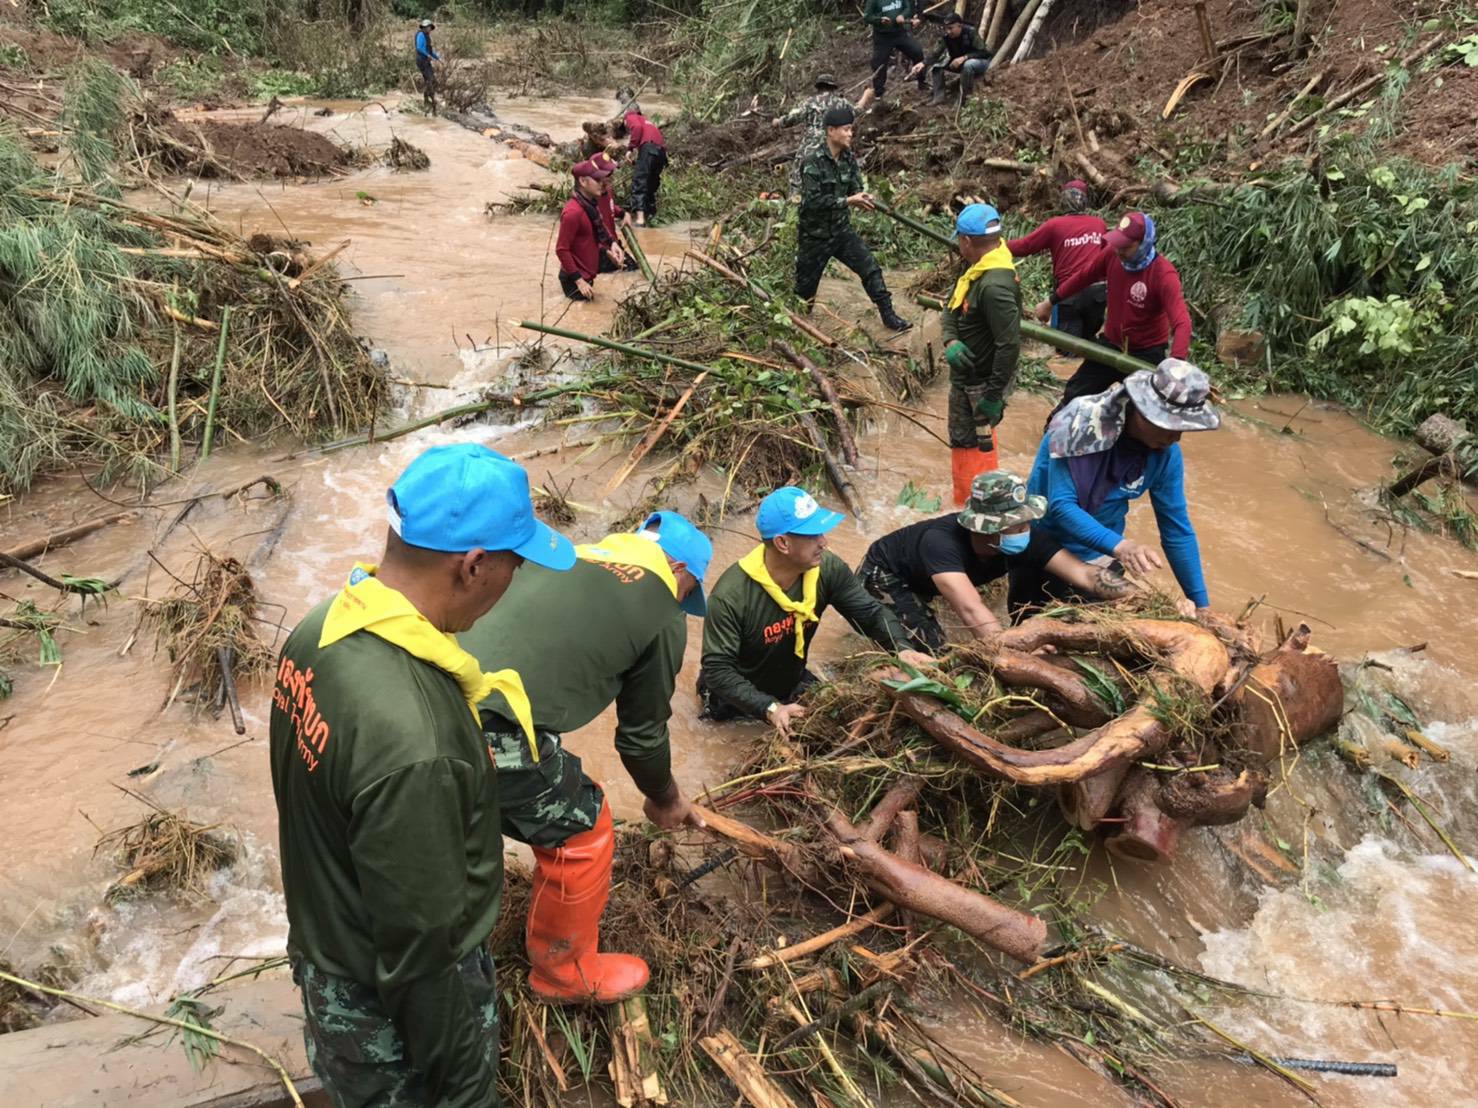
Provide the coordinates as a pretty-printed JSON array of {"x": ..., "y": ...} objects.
[
  {"x": 989, "y": 409},
  {"x": 957, "y": 354}
]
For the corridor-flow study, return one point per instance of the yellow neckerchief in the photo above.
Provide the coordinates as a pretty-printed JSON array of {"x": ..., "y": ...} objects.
[
  {"x": 999, "y": 258},
  {"x": 753, "y": 564},
  {"x": 631, "y": 550},
  {"x": 365, "y": 604}
]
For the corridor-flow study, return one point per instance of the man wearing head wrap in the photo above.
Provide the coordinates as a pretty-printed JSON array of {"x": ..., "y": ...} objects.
[
  {"x": 811, "y": 112},
  {"x": 1073, "y": 240},
  {"x": 831, "y": 184},
  {"x": 1146, "y": 312},
  {"x": 1104, "y": 450}
]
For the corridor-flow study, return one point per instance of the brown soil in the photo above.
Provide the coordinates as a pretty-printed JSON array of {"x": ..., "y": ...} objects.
[
  {"x": 1438, "y": 125},
  {"x": 255, "y": 150}
]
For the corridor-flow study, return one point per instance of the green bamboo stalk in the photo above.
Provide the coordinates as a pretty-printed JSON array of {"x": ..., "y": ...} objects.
[
  {"x": 611, "y": 344},
  {"x": 437, "y": 418},
  {"x": 174, "y": 413},
  {"x": 629, "y": 233},
  {"x": 215, "y": 384},
  {"x": 1070, "y": 344},
  {"x": 913, "y": 224}
]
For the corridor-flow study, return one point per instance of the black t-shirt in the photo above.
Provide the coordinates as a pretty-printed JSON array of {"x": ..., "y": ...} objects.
[{"x": 913, "y": 554}]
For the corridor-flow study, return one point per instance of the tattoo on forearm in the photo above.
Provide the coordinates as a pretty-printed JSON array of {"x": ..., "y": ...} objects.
[{"x": 1109, "y": 583}]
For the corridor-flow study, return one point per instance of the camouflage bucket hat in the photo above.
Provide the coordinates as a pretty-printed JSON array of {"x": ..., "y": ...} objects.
[
  {"x": 997, "y": 501},
  {"x": 825, "y": 80},
  {"x": 1174, "y": 396}
]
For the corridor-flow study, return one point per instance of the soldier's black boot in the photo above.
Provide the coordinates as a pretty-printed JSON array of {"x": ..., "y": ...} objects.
[{"x": 891, "y": 319}]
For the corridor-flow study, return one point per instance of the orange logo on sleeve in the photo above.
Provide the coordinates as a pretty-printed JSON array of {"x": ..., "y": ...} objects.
[{"x": 292, "y": 695}]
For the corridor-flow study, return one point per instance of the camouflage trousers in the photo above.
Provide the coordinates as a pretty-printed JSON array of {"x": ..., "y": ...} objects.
[
  {"x": 913, "y": 611},
  {"x": 966, "y": 429},
  {"x": 813, "y": 142},
  {"x": 353, "y": 1045},
  {"x": 544, "y": 803},
  {"x": 814, "y": 251}
]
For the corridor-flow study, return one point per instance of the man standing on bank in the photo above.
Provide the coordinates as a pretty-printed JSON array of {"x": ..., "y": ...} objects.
[
  {"x": 1146, "y": 312},
  {"x": 955, "y": 555},
  {"x": 425, "y": 55},
  {"x": 831, "y": 184},
  {"x": 1074, "y": 241},
  {"x": 981, "y": 330},
  {"x": 613, "y": 629},
  {"x": 387, "y": 802},
  {"x": 891, "y": 22},
  {"x": 763, "y": 612}
]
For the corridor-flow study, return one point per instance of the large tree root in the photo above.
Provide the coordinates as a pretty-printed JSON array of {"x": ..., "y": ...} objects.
[{"x": 1294, "y": 696}]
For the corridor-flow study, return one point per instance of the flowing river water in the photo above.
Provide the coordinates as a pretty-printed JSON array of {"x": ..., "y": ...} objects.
[{"x": 1278, "y": 503}]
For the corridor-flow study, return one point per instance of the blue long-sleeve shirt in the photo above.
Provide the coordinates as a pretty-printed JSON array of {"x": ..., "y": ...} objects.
[
  {"x": 1088, "y": 535},
  {"x": 423, "y": 47}
]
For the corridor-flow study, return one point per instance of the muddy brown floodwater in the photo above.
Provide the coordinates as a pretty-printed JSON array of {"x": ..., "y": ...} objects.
[{"x": 437, "y": 282}]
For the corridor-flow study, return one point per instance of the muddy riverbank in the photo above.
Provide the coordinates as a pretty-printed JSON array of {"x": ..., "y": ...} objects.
[{"x": 437, "y": 282}]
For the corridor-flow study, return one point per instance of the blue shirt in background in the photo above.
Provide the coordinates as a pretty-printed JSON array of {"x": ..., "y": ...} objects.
[
  {"x": 423, "y": 47},
  {"x": 1089, "y": 535}
]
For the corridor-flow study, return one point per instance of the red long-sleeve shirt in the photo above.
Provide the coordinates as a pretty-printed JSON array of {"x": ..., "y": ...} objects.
[
  {"x": 577, "y": 248},
  {"x": 1072, "y": 240},
  {"x": 1143, "y": 307},
  {"x": 642, "y": 131}
]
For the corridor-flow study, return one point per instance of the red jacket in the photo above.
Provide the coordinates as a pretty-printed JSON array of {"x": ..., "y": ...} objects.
[
  {"x": 643, "y": 131},
  {"x": 577, "y": 247},
  {"x": 1143, "y": 307},
  {"x": 1073, "y": 240},
  {"x": 610, "y": 213}
]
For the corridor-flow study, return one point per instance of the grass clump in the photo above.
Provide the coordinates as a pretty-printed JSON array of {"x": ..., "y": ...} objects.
[{"x": 164, "y": 852}]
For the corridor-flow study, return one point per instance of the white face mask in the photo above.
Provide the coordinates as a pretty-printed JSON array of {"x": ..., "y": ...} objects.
[{"x": 1015, "y": 544}]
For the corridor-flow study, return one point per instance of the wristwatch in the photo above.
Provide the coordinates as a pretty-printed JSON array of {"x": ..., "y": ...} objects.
[{"x": 770, "y": 711}]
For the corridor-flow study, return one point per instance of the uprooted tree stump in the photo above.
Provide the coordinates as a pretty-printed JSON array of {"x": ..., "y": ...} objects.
[{"x": 1202, "y": 775}]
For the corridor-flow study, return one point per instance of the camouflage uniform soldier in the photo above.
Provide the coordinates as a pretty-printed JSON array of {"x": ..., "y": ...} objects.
[
  {"x": 954, "y": 555},
  {"x": 831, "y": 183},
  {"x": 811, "y": 112},
  {"x": 981, "y": 330},
  {"x": 613, "y": 629}
]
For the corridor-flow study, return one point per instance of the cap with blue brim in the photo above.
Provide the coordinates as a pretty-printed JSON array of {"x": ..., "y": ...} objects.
[
  {"x": 793, "y": 511},
  {"x": 682, "y": 542},
  {"x": 977, "y": 219},
  {"x": 465, "y": 497}
]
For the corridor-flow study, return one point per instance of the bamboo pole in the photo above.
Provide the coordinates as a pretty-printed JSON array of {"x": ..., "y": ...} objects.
[
  {"x": 173, "y": 401},
  {"x": 1365, "y": 86},
  {"x": 820, "y": 942},
  {"x": 644, "y": 447},
  {"x": 1008, "y": 47},
  {"x": 612, "y": 344},
  {"x": 65, "y": 537},
  {"x": 914, "y": 224},
  {"x": 437, "y": 418},
  {"x": 987, "y": 10},
  {"x": 1070, "y": 344},
  {"x": 629, "y": 234},
  {"x": 1287, "y": 112},
  {"x": 215, "y": 384},
  {"x": 1029, "y": 39},
  {"x": 997, "y": 23},
  {"x": 829, "y": 394}
]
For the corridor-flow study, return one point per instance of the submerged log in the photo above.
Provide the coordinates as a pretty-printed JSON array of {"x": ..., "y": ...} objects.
[{"x": 1157, "y": 809}]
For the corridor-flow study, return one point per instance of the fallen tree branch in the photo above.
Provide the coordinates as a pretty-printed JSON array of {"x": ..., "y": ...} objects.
[{"x": 37, "y": 547}]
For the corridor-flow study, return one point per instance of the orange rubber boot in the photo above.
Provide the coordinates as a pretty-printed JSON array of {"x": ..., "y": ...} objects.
[
  {"x": 571, "y": 886},
  {"x": 967, "y": 463}
]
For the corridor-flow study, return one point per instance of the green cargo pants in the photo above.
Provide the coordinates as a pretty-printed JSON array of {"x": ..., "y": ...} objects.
[
  {"x": 353, "y": 1045},
  {"x": 544, "y": 803}
]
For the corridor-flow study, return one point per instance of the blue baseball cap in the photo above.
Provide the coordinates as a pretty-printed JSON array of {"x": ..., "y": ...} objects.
[
  {"x": 466, "y": 497},
  {"x": 682, "y": 542},
  {"x": 977, "y": 219},
  {"x": 793, "y": 511}
]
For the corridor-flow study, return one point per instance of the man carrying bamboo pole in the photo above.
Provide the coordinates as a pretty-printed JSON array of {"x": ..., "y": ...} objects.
[
  {"x": 1073, "y": 240},
  {"x": 811, "y": 112},
  {"x": 1145, "y": 312},
  {"x": 612, "y": 630},
  {"x": 831, "y": 184},
  {"x": 1099, "y": 453},
  {"x": 387, "y": 802},
  {"x": 954, "y": 555},
  {"x": 981, "y": 330},
  {"x": 763, "y": 612}
]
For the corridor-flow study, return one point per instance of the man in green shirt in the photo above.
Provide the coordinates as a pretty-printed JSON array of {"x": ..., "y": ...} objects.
[
  {"x": 763, "y": 612},
  {"x": 831, "y": 184},
  {"x": 387, "y": 805},
  {"x": 981, "y": 330},
  {"x": 614, "y": 628}
]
